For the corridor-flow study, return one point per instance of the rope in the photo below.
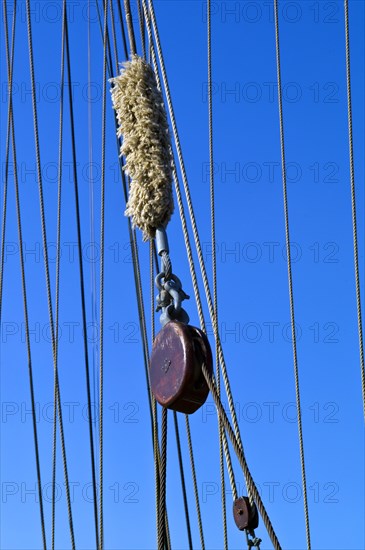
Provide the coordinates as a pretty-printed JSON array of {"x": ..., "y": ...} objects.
[
  {"x": 11, "y": 126},
  {"x": 82, "y": 283},
  {"x": 290, "y": 280},
  {"x": 102, "y": 231},
  {"x": 60, "y": 159},
  {"x": 353, "y": 201},
  {"x": 45, "y": 254},
  {"x": 162, "y": 504},
  {"x": 241, "y": 458},
  {"x": 214, "y": 263},
  {"x": 183, "y": 486}
]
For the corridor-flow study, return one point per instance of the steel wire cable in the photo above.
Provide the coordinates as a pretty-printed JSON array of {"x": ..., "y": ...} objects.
[
  {"x": 58, "y": 256},
  {"x": 290, "y": 278},
  {"x": 101, "y": 315},
  {"x": 163, "y": 464},
  {"x": 214, "y": 262},
  {"x": 167, "y": 269},
  {"x": 137, "y": 278},
  {"x": 193, "y": 222},
  {"x": 353, "y": 201},
  {"x": 46, "y": 265},
  {"x": 11, "y": 128},
  {"x": 181, "y": 467},
  {"x": 82, "y": 280},
  {"x": 241, "y": 457}
]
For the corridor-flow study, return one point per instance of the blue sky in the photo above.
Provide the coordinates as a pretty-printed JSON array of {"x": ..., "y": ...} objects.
[{"x": 252, "y": 277}]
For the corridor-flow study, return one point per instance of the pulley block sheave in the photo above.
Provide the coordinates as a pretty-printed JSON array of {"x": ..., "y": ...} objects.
[
  {"x": 245, "y": 514},
  {"x": 177, "y": 380}
]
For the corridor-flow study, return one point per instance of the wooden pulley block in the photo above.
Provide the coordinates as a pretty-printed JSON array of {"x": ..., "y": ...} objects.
[
  {"x": 177, "y": 380},
  {"x": 245, "y": 515}
]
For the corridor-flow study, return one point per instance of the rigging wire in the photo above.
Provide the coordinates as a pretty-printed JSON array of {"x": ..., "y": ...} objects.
[
  {"x": 195, "y": 484},
  {"x": 46, "y": 265},
  {"x": 353, "y": 200},
  {"x": 101, "y": 319},
  {"x": 128, "y": 16},
  {"x": 187, "y": 422},
  {"x": 163, "y": 461},
  {"x": 58, "y": 257},
  {"x": 92, "y": 226},
  {"x": 192, "y": 218},
  {"x": 11, "y": 128},
  {"x": 136, "y": 270},
  {"x": 125, "y": 47},
  {"x": 214, "y": 263},
  {"x": 141, "y": 28},
  {"x": 290, "y": 279},
  {"x": 154, "y": 405},
  {"x": 241, "y": 458},
  {"x": 82, "y": 283},
  {"x": 181, "y": 466}
]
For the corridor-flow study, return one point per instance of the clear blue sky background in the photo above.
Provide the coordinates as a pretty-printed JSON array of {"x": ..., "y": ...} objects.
[{"x": 252, "y": 274}]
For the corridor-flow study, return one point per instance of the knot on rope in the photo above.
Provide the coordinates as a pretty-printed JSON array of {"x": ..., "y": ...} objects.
[{"x": 146, "y": 146}]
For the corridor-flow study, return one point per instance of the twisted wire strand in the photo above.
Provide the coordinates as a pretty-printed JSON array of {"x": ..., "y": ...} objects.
[
  {"x": 191, "y": 453},
  {"x": 154, "y": 405},
  {"x": 241, "y": 458},
  {"x": 128, "y": 17},
  {"x": 183, "y": 486},
  {"x": 290, "y": 278},
  {"x": 195, "y": 483},
  {"x": 114, "y": 35},
  {"x": 102, "y": 238},
  {"x": 353, "y": 201},
  {"x": 162, "y": 504},
  {"x": 82, "y": 283},
  {"x": 139, "y": 295},
  {"x": 214, "y": 264},
  {"x": 125, "y": 47},
  {"x": 11, "y": 129},
  {"x": 46, "y": 265},
  {"x": 141, "y": 28},
  {"x": 152, "y": 20},
  {"x": 7, "y": 146},
  {"x": 95, "y": 352},
  {"x": 58, "y": 256}
]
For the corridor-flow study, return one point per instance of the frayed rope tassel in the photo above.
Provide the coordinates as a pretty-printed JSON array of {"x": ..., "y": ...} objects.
[{"x": 142, "y": 122}]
